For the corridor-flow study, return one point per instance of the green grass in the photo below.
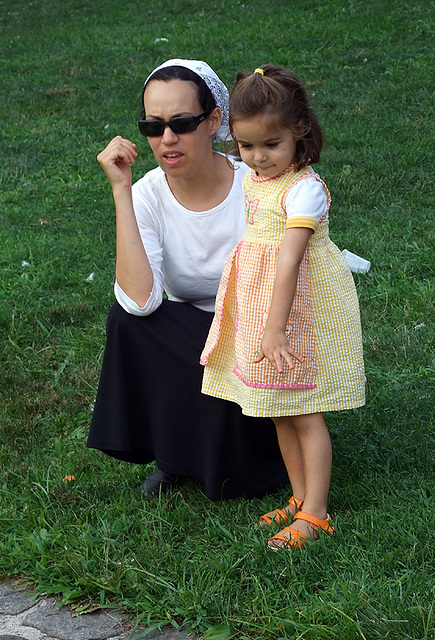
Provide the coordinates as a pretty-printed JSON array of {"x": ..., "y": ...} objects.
[{"x": 71, "y": 79}]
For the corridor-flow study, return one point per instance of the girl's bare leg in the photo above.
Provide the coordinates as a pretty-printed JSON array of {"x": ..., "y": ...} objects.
[
  {"x": 292, "y": 456},
  {"x": 316, "y": 456},
  {"x": 291, "y": 452}
]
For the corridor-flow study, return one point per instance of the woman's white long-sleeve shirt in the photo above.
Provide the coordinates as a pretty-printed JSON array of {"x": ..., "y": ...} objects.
[{"x": 186, "y": 249}]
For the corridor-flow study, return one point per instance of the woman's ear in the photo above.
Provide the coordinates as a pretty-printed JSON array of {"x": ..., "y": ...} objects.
[{"x": 214, "y": 120}]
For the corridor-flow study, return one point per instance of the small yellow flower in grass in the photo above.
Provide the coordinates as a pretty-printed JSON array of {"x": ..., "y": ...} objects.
[{"x": 69, "y": 478}]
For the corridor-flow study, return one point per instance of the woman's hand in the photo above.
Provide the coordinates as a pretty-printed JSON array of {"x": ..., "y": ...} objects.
[
  {"x": 275, "y": 347},
  {"x": 116, "y": 159}
]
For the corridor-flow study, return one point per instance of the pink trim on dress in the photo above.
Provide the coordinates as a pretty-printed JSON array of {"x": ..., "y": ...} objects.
[
  {"x": 257, "y": 178},
  {"x": 208, "y": 349},
  {"x": 271, "y": 386}
]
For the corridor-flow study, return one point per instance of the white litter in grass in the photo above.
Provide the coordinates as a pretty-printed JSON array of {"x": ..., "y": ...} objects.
[
  {"x": 420, "y": 326},
  {"x": 160, "y": 40},
  {"x": 356, "y": 264},
  {"x": 90, "y": 277},
  {"x": 25, "y": 263}
]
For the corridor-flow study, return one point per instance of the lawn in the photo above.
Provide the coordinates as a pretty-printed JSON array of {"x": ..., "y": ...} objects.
[{"x": 71, "y": 79}]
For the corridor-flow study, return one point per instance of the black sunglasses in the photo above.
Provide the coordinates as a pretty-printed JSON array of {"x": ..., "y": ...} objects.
[{"x": 182, "y": 124}]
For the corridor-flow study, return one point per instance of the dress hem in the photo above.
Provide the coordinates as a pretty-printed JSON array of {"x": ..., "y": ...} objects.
[{"x": 300, "y": 412}]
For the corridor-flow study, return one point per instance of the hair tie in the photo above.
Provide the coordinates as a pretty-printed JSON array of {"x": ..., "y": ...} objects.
[{"x": 260, "y": 71}]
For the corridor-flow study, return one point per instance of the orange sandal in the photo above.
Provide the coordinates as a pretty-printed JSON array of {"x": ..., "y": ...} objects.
[
  {"x": 280, "y": 516},
  {"x": 293, "y": 538}
]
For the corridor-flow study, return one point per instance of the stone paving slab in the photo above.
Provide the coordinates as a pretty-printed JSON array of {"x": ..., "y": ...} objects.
[
  {"x": 13, "y": 603},
  {"x": 60, "y": 624},
  {"x": 26, "y": 617},
  {"x": 11, "y": 637}
]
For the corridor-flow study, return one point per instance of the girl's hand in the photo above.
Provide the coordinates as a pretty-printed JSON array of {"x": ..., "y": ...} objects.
[
  {"x": 275, "y": 347},
  {"x": 116, "y": 159}
]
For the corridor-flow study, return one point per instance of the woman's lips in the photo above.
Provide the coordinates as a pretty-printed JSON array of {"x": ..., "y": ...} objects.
[{"x": 172, "y": 158}]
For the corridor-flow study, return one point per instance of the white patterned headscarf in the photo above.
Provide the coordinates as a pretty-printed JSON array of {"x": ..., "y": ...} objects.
[{"x": 213, "y": 82}]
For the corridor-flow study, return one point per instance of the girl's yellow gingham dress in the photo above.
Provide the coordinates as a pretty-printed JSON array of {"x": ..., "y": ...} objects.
[{"x": 323, "y": 326}]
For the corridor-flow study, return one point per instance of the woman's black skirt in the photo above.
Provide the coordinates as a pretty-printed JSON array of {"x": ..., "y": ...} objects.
[{"x": 149, "y": 406}]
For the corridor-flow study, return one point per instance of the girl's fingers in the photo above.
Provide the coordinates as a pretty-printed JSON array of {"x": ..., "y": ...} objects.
[
  {"x": 288, "y": 358},
  {"x": 297, "y": 357},
  {"x": 259, "y": 357},
  {"x": 278, "y": 364},
  {"x": 276, "y": 359}
]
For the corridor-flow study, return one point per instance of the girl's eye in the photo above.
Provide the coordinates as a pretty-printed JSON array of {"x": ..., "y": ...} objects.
[
  {"x": 245, "y": 146},
  {"x": 272, "y": 145}
]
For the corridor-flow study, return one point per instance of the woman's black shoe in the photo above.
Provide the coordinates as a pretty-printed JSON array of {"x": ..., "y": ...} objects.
[{"x": 158, "y": 482}]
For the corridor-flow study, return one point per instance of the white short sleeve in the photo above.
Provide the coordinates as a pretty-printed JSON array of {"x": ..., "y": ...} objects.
[{"x": 307, "y": 198}]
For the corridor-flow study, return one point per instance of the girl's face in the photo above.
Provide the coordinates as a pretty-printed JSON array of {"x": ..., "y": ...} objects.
[
  {"x": 179, "y": 155},
  {"x": 265, "y": 147}
]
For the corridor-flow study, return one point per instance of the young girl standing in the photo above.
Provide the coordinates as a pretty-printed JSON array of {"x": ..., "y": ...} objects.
[{"x": 286, "y": 340}]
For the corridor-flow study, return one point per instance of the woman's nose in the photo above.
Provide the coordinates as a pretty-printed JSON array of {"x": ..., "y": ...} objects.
[{"x": 169, "y": 136}]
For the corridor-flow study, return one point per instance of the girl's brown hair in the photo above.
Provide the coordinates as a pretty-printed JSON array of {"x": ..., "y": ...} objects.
[{"x": 280, "y": 95}]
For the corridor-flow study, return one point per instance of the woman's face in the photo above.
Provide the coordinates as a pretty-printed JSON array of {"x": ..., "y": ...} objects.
[{"x": 179, "y": 155}]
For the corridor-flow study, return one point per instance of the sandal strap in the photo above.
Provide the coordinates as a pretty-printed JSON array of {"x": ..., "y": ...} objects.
[
  {"x": 272, "y": 516},
  {"x": 315, "y": 522},
  {"x": 266, "y": 518},
  {"x": 296, "y": 503},
  {"x": 283, "y": 516},
  {"x": 293, "y": 539}
]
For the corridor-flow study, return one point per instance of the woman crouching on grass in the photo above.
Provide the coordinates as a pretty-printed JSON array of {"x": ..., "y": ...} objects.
[{"x": 174, "y": 230}]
